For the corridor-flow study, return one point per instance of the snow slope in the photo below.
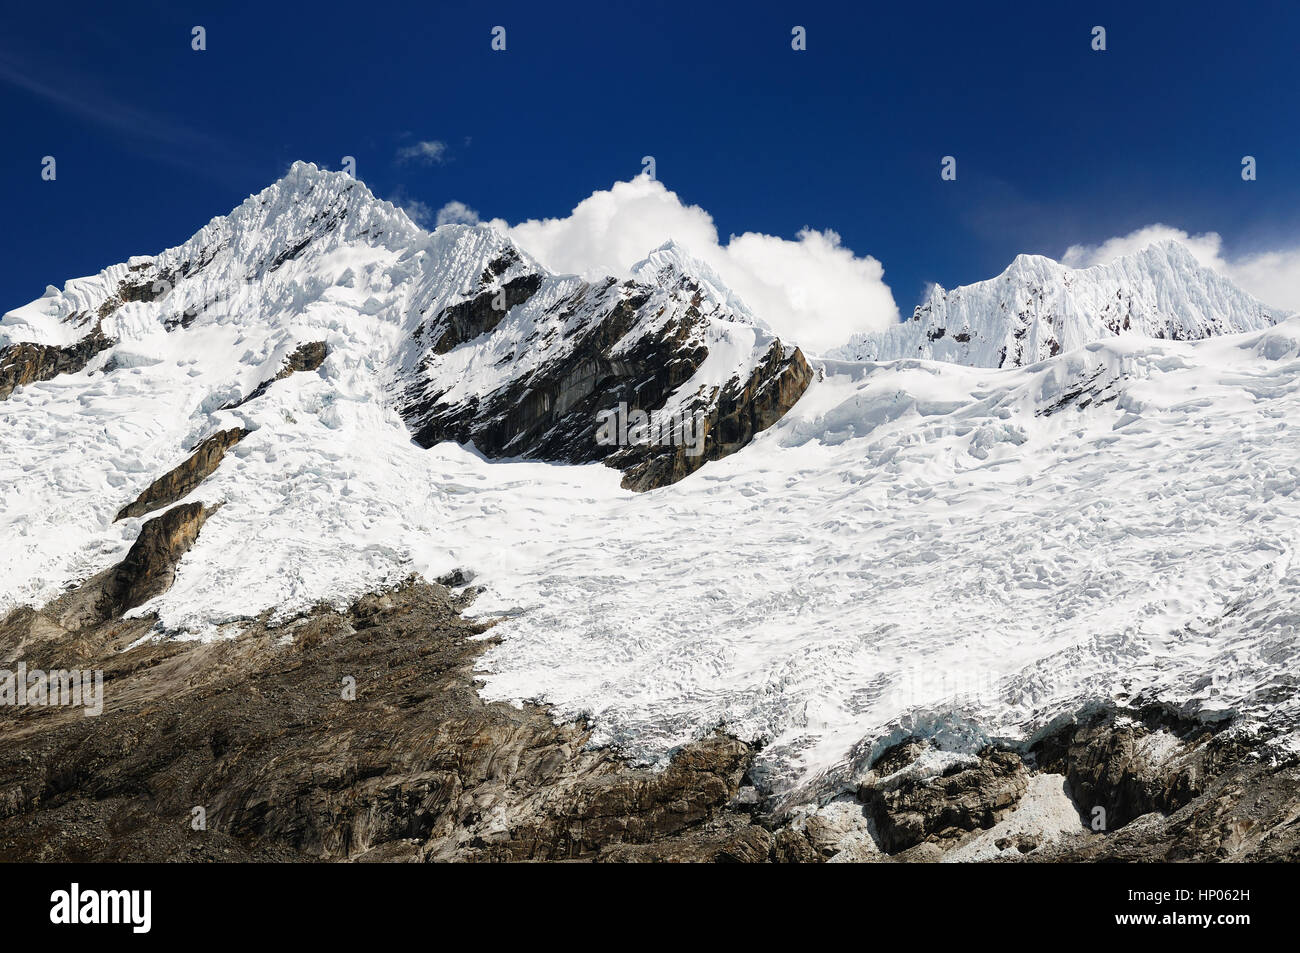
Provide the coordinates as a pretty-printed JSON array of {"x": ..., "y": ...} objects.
[
  {"x": 314, "y": 257},
  {"x": 923, "y": 547},
  {"x": 917, "y": 546},
  {"x": 1038, "y": 308}
]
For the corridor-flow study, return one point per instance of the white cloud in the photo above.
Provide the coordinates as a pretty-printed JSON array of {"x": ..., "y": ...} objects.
[
  {"x": 457, "y": 213},
  {"x": 427, "y": 152},
  {"x": 1273, "y": 277},
  {"x": 812, "y": 291}
]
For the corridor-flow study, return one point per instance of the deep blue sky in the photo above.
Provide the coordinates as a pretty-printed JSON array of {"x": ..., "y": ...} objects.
[{"x": 1056, "y": 144}]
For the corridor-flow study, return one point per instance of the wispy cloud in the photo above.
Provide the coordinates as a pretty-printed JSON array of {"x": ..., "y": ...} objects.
[
  {"x": 104, "y": 110},
  {"x": 427, "y": 152},
  {"x": 421, "y": 213},
  {"x": 84, "y": 97}
]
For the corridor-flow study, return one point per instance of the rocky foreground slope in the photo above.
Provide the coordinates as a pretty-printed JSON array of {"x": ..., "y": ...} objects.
[{"x": 359, "y": 735}]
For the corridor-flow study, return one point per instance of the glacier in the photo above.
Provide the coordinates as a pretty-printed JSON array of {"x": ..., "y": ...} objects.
[{"x": 928, "y": 543}]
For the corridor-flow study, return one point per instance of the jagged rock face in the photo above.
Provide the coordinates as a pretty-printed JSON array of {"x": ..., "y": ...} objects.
[
  {"x": 963, "y": 798},
  {"x": 1038, "y": 308},
  {"x": 1125, "y": 768},
  {"x": 742, "y": 410},
  {"x": 26, "y": 363},
  {"x": 147, "y": 570},
  {"x": 1246, "y": 814},
  {"x": 640, "y": 345},
  {"x": 1152, "y": 787},
  {"x": 466, "y": 320},
  {"x": 179, "y": 482}
]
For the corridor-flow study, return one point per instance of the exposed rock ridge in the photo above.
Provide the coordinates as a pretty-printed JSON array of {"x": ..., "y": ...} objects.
[
  {"x": 27, "y": 363},
  {"x": 150, "y": 566},
  {"x": 305, "y": 357},
  {"x": 147, "y": 570},
  {"x": 739, "y": 413},
  {"x": 181, "y": 480},
  {"x": 630, "y": 348}
]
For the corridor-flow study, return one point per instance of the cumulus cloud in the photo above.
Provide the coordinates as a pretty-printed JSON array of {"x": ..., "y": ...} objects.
[
  {"x": 427, "y": 152},
  {"x": 457, "y": 213},
  {"x": 1272, "y": 276},
  {"x": 812, "y": 290}
]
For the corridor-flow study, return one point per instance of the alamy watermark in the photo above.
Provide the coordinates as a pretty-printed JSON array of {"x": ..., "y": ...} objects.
[
  {"x": 621, "y": 427},
  {"x": 64, "y": 688},
  {"x": 133, "y": 908}
]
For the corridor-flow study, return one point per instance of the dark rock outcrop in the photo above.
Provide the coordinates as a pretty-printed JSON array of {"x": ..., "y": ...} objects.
[
  {"x": 147, "y": 570},
  {"x": 22, "y": 364},
  {"x": 1152, "y": 786},
  {"x": 305, "y": 357},
  {"x": 150, "y": 566},
  {"x": 467, "y": 320},
  {"x": 552, "y": 412},
  {"x": 181, "y": 480},
  {"x": 1122, "y": 767},
  {"x": 962, "y": 799},
  {"x": 741, "y": 411},
  {"x": 1247, "y": 813}
]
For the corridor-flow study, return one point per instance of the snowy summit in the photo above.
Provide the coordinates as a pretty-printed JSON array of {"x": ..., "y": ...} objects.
[{"x": 1045, "y": 491}]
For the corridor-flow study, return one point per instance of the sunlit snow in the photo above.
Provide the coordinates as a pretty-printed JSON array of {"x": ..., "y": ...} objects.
[{"x": 917, "y": 547}]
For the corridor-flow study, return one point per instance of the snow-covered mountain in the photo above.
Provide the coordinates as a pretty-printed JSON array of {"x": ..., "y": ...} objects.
[
  {"x": 1039, "y": 308},
  {"x": 874, "y": 550},
  {"x": 523, "y": 363},
  {"x": 469, "y": 337}
]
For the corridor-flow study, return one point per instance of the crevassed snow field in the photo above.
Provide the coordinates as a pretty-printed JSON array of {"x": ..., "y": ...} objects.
[
  {"x": 917, "y": 545},
  {"x": 916, "y": 548}
]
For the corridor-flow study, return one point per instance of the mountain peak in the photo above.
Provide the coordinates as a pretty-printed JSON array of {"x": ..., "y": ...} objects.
[
  {"x": 304, "y": 177},
  {"x": 1038, "y": 308},
  {"x": 1171, "y": 248},
  {"x": 307, "y": 195},
  {"x": 671, "y": 256},
  {"x": 1026, "y": 262},
  {"x": 669, "y": 263}
]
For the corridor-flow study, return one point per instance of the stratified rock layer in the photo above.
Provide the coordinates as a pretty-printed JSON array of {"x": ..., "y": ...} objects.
[{"x": 638, "y": 345}]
